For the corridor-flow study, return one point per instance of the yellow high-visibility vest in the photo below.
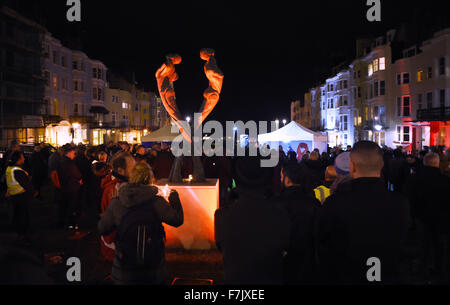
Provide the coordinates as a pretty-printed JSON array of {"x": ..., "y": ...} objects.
[
  {"x": 322, "y": 193},
  {"x": 14, "y": 188}
]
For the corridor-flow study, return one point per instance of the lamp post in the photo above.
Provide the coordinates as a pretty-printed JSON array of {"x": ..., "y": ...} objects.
[{"x": 284, "y": 122}]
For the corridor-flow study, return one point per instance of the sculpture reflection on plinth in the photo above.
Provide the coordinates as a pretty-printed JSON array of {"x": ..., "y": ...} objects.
[{"x": 165, "y": 77}]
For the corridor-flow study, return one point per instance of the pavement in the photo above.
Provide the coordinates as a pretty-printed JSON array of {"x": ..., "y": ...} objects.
[{"x": 54, "y": 245}]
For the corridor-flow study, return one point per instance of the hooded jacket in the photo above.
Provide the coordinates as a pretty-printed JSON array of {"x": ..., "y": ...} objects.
[{"x": 131, "y": 195}]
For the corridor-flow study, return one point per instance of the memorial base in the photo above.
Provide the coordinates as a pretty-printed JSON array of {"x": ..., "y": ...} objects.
[{"x": 199, "y": 201}]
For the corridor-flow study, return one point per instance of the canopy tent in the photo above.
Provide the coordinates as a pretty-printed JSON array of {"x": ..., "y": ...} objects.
[
  {"x": 295, "y": 137},
  {"x": 161, "y": 135}
]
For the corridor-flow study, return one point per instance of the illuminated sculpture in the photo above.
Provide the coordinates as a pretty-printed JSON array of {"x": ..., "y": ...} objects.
[{"x": 165, "y": 77}]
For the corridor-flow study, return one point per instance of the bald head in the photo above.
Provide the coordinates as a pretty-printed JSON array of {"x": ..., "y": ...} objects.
[
  {"x": 431, "y": 159},
  {"x": 366, "y": 160}
]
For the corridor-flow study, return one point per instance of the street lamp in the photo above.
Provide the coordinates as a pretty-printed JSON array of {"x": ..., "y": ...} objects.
[
  {"x": 188, "y": 119},
  {"x": 284, "y": 122}
]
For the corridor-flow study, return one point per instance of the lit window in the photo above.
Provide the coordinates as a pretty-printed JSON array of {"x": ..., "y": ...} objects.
[
  {"x": 124, "y": 106},
  {"x": 420, "y": 76},
  {"x": 370, "y": 69},
  {"x": 55, "y": 82},
  {"x": 382, "y": 64},
  {"x": 375, "y": 65}
]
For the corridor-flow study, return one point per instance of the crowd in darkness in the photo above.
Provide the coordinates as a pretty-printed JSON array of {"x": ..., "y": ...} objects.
[{"x": 314, "y": 219}]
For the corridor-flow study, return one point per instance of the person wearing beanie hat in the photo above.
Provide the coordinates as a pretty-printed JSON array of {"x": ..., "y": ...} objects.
[
  {"x": 252, "y": 233},
  {"x": 342, "y": 168}
]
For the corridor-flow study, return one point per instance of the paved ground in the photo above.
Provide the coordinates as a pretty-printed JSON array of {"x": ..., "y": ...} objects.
[{"x": 50, "y": 241}]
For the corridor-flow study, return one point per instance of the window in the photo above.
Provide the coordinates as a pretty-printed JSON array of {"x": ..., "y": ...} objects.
[
  {"x": 442, "y": 66},
  {"x": 345, "y": 84},
  {"x": 124, "y": 105},
  {"x": 55, "y": 106},
  {"x": 94, "y": 93},
  {"x": 331, "y": 87},
  {"x": 113, "y": 118},
  {"x": 420, "y": 76},
  {"x": 63, "y": 61},
  {"x": 344, "y": 123},
  {"x": 75, "y": 65},
  {"x": 100, "y": 74},
  {"x": 376, "y": 88},
  {"x": 442, "y": 98},
  {"x": 47, "y": 78},
  {"x": 370, "y": 69},
  {"x": 406, "y": 134},
  {"x": 46, "y": 50},
  {"x": 430, "y": 100},
  {"x": 399, "y": 133},
  {"x": 375, "y": 65},
  {"x": 405, "y": 78},
  {"x": 94, "y": 72},
  {"x": 75, "y": 108},
  {"x": 82, "y": 66},
  {"x": 419, "y": 101},
  {"x": 406, "y": 106},
  {"x": 382, "y": 88},
  {"x": 382, "y": 64},
  {"x": 359, "y": 92},
  {"x": 430, "y": 72},
  {"x": 55, "y": 82},
  {"x": 359, "y": 73},
  {"x": 399, "y": 79},
  {"x": 399, "y": 106},
  {"x": 64, "y": 83},
  {"x": 55, "y": 57},
  {"x": 345, "y": 100},
  {"x": 82, "y": 86},
  {"x": 75, "y": 85}
]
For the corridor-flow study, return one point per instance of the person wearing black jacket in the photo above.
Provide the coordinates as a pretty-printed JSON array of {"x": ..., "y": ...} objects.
[
  {"x": 21, "y": 191},
  {"x": 299, "y": 263},
  {"x": 364, "y": 221},
  {"x": 252, "y": 233},
  {"x": 428, "y": 192},
  {"x": 70, "y": 180}
]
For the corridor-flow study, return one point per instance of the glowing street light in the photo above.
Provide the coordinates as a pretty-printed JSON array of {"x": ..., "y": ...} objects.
[
  {"x": 188, "y": 119},
  {"x": 284, "y": 122},
  {"x": 378, "y": 127}
]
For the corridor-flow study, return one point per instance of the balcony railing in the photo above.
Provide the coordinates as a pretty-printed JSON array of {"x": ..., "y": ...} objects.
[{"x": 433, "y": 114}]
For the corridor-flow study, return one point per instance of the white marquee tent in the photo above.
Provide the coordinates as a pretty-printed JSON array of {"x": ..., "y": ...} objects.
[
  {"x": 161, "y": 135},
  {"x": 292, "y": 135}
]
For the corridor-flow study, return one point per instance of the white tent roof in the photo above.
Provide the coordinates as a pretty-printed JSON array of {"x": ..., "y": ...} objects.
[
  {"x": 291, "y": 133},
  {"x": 161, "y": 135}
]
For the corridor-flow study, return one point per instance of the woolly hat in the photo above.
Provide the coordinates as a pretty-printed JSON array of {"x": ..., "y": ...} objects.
[{"x": 342, "y": 164}]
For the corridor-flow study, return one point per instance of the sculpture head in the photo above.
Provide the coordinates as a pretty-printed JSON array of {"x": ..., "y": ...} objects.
[
  {"x": 174, "y": 58},
  {"x": 206, "y": 54}
]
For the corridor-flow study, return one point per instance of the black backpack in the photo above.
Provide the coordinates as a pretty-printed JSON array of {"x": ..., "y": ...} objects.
[{"x": 140, "y": 237}]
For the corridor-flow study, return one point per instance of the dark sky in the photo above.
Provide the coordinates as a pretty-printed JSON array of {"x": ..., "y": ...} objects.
[{"x": 271, "y": 52}]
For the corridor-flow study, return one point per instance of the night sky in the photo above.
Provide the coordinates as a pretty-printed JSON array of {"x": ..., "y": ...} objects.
[{"x": 271, "y": 52}]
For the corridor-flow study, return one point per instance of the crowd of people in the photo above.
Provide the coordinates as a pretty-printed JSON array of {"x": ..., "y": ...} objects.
[{"x": 312, "y": 219}]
